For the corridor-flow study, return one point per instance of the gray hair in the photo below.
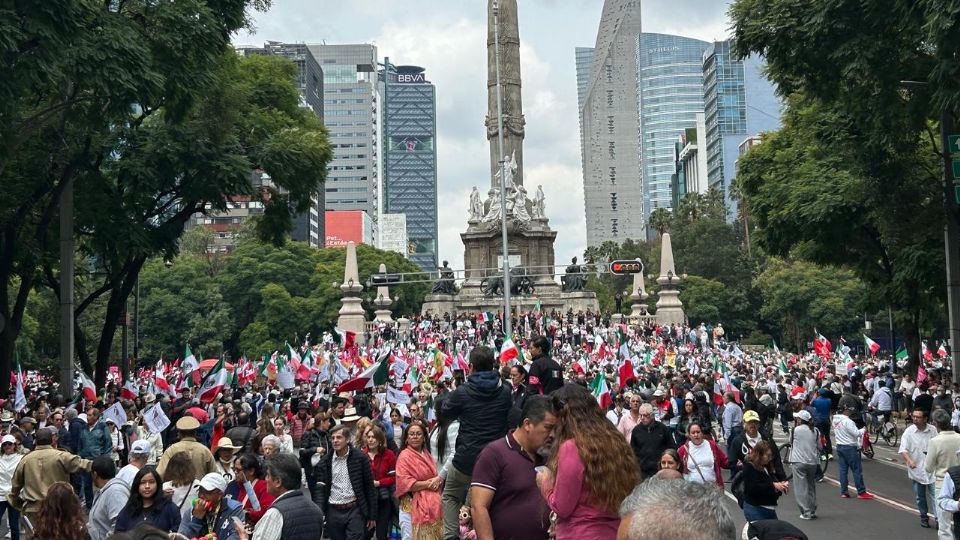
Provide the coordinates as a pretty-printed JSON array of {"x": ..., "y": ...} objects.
[
  {"x": 646, "y": 408},
  {"x": 286, "y": 469},
  {"x": 677, "y": 510},
  {"x": 272, "y": 439},
  {"x": 941, "y": 419},
  {"x": 70, "y": 414},
  {"x": 134, "y": 456}
]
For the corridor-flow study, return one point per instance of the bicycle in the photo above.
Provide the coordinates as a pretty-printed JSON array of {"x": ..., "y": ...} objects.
[
  {"x": 888, "y": 430},
  {"x": 866, "y": 447},
  {"x": 825, "y": 456}
]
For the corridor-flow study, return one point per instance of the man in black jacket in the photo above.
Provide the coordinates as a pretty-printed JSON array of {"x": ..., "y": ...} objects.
[
  {"x": 649, "y": 439},
  {"x": 482, "y": 406},
  {"x": 742, "y": 443},
  {"x": 546, "y": 375},
  {"x": 345, "y": 490}
]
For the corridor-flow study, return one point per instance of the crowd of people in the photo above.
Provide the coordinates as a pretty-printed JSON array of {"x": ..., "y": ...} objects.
[{"x": 582, "y": 431}]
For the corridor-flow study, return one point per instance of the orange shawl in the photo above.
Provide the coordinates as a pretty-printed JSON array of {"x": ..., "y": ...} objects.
[{"x": 413, "y": 466}]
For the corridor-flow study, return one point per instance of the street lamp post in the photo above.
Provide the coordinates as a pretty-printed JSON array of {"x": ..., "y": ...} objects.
[{"x": 507, "y": 323}]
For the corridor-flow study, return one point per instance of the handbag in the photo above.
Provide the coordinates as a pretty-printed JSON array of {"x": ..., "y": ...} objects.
[{"x": 736, "y": 487}]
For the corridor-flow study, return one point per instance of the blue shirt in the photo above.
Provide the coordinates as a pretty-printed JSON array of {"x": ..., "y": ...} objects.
[{"x": 822, "y": 406}]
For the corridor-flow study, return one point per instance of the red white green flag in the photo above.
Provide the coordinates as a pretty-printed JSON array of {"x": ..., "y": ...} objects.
[
  {"x": 214, "y": 383},
  {"x": 88, "y": 388},
  {"x": 375, "y": 375},
  {"x": 871, "y": 345},
  {"x": 601, "y": 391},
  {"x": 508, "y": 351}
]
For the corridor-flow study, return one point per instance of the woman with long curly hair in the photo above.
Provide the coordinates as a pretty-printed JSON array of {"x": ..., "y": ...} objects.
[
  {"x": 61, "y": 516},
  {"x": 590, "y": 470}
]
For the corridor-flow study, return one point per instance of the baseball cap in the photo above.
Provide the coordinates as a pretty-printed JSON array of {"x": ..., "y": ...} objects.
[
  {"x": 140, "y": 447},
  {"x": 8, "y": 439},
  {"x": 751, "y": 416},
  {"x": 213, "y": 481},
  {"x": 802, "y": 415}
]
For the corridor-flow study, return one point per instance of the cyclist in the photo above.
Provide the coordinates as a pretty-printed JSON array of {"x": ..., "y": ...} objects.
[{"x": 882, "y": 404}]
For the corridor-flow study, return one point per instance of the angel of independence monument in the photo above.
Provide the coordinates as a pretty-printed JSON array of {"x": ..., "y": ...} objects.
[{"x": 508, "y": 232}]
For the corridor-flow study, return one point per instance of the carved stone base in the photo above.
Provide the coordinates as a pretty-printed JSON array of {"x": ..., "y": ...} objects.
[
  {"x": 352, "y": 315},
  {"x": 438, "y": 304},
  {"x": 581, "y": 301},
  {"x": 669, "y": 308}
]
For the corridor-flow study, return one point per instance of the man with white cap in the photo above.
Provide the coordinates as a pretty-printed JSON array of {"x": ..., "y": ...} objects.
[
  {"x": 211, "y": 513},
  {"x": 202, "y": 459},
  {"x": 805, "y": 462},
  {"x": 139, "y": 454},
  {"x": 9, "y": 459}
]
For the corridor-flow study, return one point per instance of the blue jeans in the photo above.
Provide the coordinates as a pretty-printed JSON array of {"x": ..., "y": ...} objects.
[
  {"x": 922, "y": 491},
  {"x": 756, "y": 513},
  {"x": 848, "y": 457},
  {"x": 85, "y": 482},
  {"x": 13, "y": 519}
]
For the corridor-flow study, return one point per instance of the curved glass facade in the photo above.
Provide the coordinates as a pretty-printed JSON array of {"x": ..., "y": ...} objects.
[{"x": 671, "y": 95}]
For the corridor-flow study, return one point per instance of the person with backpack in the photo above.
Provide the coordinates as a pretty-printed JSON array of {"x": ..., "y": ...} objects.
[{"x": 804, "y": 461}]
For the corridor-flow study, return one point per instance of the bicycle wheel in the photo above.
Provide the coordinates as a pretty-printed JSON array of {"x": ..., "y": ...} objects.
[
  {"x": 892, "y": 435},
  {"x": 785, "y": 454},
  {"x": 824, "y": 461},
  {"x": 868, "y": 450},
  {"x": 875, "y": 430}
]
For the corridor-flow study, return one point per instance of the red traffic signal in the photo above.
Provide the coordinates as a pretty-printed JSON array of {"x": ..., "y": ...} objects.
[{"x": 626, "y": 268}]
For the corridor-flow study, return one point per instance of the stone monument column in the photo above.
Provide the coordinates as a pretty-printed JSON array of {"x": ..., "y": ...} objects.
[
  {"x": 383, "y": 301},
  {"x": 669, "y": 307},
  {"x": 352, "y": 316},
  {"x": 513, "y": 121}
]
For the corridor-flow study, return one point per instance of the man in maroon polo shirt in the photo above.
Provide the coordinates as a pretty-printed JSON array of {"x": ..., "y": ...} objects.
[{"x": 505, "y": 500}]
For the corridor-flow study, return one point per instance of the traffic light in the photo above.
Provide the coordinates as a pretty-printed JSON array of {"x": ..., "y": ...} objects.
[
  {"x": 386, "y": 279},
  {"x": 626, "y": 268}
]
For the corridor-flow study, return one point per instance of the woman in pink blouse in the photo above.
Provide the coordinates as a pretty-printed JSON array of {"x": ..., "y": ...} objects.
[{"x": 590, "y": 471}]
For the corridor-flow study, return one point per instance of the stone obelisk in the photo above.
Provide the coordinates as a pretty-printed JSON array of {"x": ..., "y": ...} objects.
[
  {"x": 669, "y": 307},
  {"x": 513, "y": 120}
]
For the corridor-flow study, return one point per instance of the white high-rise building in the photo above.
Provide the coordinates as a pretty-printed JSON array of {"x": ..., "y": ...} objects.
[
  {"x": 609, "y": 128},
  {"x": 351, "y": 114}
]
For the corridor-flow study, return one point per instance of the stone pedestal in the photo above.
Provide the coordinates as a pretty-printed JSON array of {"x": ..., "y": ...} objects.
[
  {"x": 438, "y": 304},
  {"x": 383, "y": 302},
  {"x": 616, "y": 318},
  {"x": 581, "y": 301}
]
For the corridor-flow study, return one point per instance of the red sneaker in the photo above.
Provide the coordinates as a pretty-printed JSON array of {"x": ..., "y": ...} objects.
[{"x": 866, "y": 496}]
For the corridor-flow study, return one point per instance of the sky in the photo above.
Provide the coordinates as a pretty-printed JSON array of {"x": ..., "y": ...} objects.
[{"x": 448, "y": 39}]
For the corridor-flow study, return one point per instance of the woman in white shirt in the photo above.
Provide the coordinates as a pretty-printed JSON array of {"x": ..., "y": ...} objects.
[
  {"x": 156, "y": 443},
  {"x": 9, "y": 460},
  {"x": 280, "y": 430},
  {"x": 181, "y": 484},
  {"x": 701, "y": 459}
]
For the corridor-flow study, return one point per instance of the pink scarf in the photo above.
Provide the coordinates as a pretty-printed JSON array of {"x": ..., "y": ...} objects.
[{"x": 413, "y": 466}]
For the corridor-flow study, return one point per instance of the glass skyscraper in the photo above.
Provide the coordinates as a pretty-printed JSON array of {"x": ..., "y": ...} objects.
[
  {"x": 739, "y": 102},
  {"x": 671, "y": 95},
  {"x": 410, "y": 158}
]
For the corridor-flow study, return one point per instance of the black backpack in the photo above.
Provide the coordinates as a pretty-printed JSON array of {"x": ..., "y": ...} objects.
[{"x": 773, "y": 529}]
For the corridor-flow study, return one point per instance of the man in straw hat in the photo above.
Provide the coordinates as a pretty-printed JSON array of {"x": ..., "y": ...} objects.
[{"x": 202, "y": 459}]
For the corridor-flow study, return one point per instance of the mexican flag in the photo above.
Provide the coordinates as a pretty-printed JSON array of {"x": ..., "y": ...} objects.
[
  {"x": 129, "y": 390},
  {"x": 214, "y": 383},
  {"x": 775, "y": 348},
  {"x": 901, "y": 354},
  {"x": 648, "y": 357},
  {"x": 871, "y": 345},
  {"x": 601, "y": 391},
  {"x": 626, "y": 373},
  {"x": 88, "y": 388},
  {"x": 190, "y": 364},
  {"x": 782, "y": 366},
  {"x": 485, "y": 317},
  {"x": 942, "y": 351},
  {"x": 344, "y": 338},
  {"x": 509, "y": 351},
  {"x": 374, "y": 375}
]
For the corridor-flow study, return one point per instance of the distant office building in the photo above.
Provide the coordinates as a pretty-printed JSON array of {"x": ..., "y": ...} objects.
[
  {"x": 393, "y": 234},
  {"x": 691, "y": 161},
  {"x": 409, "y": 125},
  {"x": 739, "y": 102},
  {"x": 225, "y": 225},
  {"x": 351, "y": 114},
  {"x": 671, "y": 95},
  {"x": 609, "y": 116},
  {"x": 584, "y": 58},
  {"x": 345, "y": 226}
]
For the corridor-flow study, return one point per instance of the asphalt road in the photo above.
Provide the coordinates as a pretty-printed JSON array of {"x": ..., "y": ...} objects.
[{"x": 893, "y": 514}]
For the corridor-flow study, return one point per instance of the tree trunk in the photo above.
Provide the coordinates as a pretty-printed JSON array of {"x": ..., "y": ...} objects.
[
  {"x": 115, "y": 308},
  {"x": 911, "y": 336}
]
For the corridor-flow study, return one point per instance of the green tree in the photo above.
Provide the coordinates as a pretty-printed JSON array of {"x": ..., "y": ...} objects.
[
  {"x": 801, "y": 296},
  {"x": 710, "y": 301},
  {"x": 660, "y": 220},
  {"x": 863, "y": 188}
]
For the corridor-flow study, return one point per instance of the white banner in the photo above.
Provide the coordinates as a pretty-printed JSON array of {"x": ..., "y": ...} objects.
[
  {"x": 285, "y": 379},
  {"x": 156, "y": 420},
  {"x": 397, "y": 396},
  {"x": 116, "y": 413}
]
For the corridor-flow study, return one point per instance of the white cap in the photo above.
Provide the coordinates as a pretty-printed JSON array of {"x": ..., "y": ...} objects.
[
  {"x": 140, "y": 447},
  {"x": 8, "y": 439},
  {"x": 213, "y": 481}
]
